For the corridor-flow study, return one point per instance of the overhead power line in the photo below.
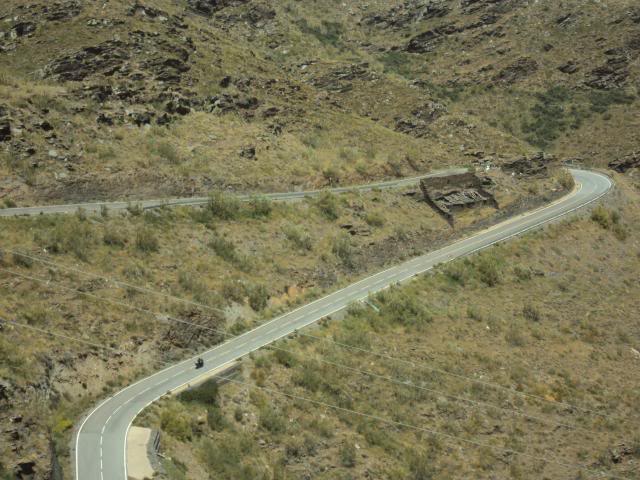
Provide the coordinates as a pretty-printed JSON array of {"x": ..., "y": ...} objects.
[
  {"x": 451, "y": 438},
  {"x": 396, "y": 381}
]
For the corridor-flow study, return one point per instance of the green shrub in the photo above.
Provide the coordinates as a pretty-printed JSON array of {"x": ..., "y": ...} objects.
[
  {"x": 224, "y": 248},
  {"x": 22, "y": 261},
  {"x": 308, "y": 377},
  {"x": 328, "y": 32},
  {"x": 114, "y": 238},
  {"x": 285, "y": 358},
  {"x": 234, "y": 290},
  {"x": 530, "y": 312},
  {"x": 343, "y": 250},
  {"x": 400, "y": 307},
  {"x": 258, "y": 297},
  {"x": 489, "y": 269},
  {"x": 167, "y": 151},
  {"x": 327, "y": 203},
  {"x": 146, "y": 241},
  {"x": 348, "y": 454},
  {"x": 35, "y": 315},
  {"x": 514, "y": 337},
  {"x": 260, "y": 207},
  {"x": 375, "y": 219},
  {"x": 215, "y": 419},
  {"x": 397, "y": 62},
  {"x": 300, "y": 239},
  {"x": 548, "y": 117},
  {"x": 272, "y": 420},
  {"x": 223, "y": 206},
  {"x": 601, "y": 100},
  {"x": 175, "y": 423}
]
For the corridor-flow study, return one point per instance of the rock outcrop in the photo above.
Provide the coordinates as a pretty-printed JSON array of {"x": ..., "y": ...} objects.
[
  {"x": 628, "y": 162},
  {"x": 418, "y": 124},
  {"x": 613, "y": 74},
  {"x": 536, "y": 165},
  {"x": 521, "y": 68},
  {"x": 411, "y": 11}
]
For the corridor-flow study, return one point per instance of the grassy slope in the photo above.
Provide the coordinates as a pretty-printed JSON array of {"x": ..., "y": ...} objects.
[{"x": 550, "y": 315}]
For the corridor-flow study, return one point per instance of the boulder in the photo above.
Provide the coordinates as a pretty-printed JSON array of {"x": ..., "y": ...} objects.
[
  {"x": 21, "y": 29},
  {"x": 248, "y": 152},
  {"x": 569, "y": 68},
  {"x": 5, "y": 130}
]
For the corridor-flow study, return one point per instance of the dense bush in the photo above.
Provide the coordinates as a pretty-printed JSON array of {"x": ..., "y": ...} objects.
[
  {"x": 224, "y": 207},
  {"x": 348, "y": 454},
  {"x": 327, "y": 203},
  {"x": 403, "y": 308},
  {"x": 258, "y": 297},
  {"x": 343, "y": 250},
  {"x": 272, "y": 420},
  {"x": 300, "y": 239}
]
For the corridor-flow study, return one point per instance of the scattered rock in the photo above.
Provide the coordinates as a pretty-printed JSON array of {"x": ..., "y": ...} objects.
[
  {"x": 418, "y": 125},
  {"x": 141, "y": 118},
  {"x": 619, "y": 453},
  {"x": 521, "y": 68},
  {"x": 105, "y": 59},
  {"x": 628, "y": 162},
  {"x": 613, "y": 74},
  {"x": 248, "y": 152},
  {"x": 57, "y": 11},
  {"x": 43, "y": 125},
  {"x": 178, "y": 105},
  {"x": 270, "y": 112},
  {"x": 570, "y": 67},
  {"x": 359, "y": 230},
  {"x": 104, "y": 119}
]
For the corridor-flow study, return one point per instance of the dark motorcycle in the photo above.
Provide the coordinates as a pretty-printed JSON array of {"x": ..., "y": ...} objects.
[{"x": 199, "y": 363}]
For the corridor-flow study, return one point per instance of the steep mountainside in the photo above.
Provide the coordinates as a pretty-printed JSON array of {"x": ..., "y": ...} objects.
[{"x": 104, "y": 99}]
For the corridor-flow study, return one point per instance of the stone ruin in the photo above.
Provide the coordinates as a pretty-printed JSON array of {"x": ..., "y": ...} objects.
[{"x": 453, "y": 193}]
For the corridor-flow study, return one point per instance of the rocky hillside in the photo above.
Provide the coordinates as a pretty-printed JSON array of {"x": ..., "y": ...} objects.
[{"x": 104, "y": 99}]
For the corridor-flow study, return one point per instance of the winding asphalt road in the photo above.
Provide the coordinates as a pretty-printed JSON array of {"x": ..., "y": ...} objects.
[
  {"x": 101, "y": 438},
  {"x": 100, "y": 441},
  {"x": 94, "y": 207}
]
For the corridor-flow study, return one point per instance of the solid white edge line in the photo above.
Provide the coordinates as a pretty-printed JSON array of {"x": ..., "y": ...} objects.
[{"x": 524, "y": 215}]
